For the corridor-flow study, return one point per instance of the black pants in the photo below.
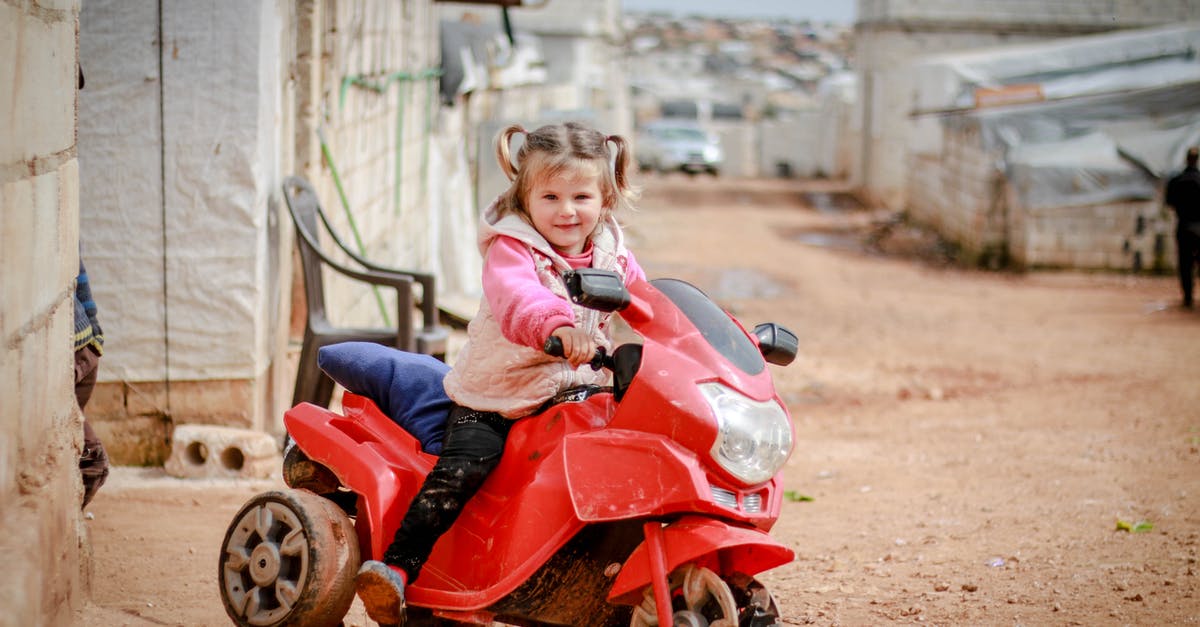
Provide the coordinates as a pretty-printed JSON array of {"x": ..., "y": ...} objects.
[
  {"x": 471, "y": 449},
  {"x": 1187, "y": 240},
  {"x": 93, "y": 460}
]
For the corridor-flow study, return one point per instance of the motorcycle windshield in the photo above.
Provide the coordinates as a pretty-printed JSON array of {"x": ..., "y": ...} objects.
[{"x": 717, "y": 328}]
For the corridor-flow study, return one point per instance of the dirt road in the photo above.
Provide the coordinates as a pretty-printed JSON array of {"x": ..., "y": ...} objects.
[{"x": 968, "y": 442}]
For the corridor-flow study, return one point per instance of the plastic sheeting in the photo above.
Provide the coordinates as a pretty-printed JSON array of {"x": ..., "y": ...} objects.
[
  {"x": 175, "y": 166},
  {"x": 1062, "y": 68},
  {"x": 1093, "y": 119},
  {"x": 1095, "y": 150}
]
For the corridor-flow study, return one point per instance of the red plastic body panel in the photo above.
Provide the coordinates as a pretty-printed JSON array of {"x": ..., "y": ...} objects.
[
  {"x": 716, "y": 544},
  {"x": 370, "y": 455}
]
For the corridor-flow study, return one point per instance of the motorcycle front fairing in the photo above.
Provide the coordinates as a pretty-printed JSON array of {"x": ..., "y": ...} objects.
[
  {"x": 726, "y": 526},
  {"x": 599, "y": 461}
]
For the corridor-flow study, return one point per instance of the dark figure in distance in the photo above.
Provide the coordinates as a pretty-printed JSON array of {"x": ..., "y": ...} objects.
[{"x": 1183, "y": 195}]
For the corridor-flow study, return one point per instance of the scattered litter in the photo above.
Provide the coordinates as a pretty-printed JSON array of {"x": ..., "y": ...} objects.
[
  {"x": 996, "y": 562},
  {"x": 796, "y": 497},
  {"x": 90, "y": 516},
  {"x": 1140, "y": 526}
]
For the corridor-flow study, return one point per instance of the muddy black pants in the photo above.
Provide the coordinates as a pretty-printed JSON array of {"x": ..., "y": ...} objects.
[{"x": 471, "y": 449}]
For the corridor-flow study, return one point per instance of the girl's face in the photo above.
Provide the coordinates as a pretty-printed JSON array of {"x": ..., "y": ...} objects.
[{"x": 565, "y": 210}]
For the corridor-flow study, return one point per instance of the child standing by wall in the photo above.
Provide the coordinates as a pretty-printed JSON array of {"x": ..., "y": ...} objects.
[{"x": 556, "y": 215}]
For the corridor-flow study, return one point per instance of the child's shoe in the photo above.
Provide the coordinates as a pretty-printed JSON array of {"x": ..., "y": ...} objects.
[{"x": 381, "y": 588}]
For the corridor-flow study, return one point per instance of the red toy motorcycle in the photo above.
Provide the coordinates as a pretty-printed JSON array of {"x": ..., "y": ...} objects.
[{"x": 647, "y": 503}]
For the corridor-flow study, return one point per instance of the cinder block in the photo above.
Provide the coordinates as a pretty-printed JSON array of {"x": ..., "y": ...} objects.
[{"x": 200, "y": 451}]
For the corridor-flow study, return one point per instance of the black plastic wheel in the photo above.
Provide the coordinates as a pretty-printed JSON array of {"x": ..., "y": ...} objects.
[
  {"x": 288, "y": 558},
  {"x": 302, "y": 473}
]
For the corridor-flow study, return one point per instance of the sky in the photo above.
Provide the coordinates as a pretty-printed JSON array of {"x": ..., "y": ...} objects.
[{"x": 815, "y": 10}]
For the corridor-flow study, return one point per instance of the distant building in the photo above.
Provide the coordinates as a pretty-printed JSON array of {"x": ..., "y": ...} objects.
[
  {"x": 754, "y": 83},
  {"x": 1054, "y": 154},
  {"x": 889, "y": 36}
]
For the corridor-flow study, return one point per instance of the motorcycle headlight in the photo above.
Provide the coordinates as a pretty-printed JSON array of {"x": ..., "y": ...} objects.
[{"x": 754, "y": 438}]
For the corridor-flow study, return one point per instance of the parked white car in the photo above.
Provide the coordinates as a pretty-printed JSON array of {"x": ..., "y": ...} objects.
[{"x": 672, "y": 146}]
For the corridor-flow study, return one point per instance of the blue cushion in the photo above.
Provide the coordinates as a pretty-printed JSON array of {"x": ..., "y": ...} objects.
[{"x": 406, "y": 386}]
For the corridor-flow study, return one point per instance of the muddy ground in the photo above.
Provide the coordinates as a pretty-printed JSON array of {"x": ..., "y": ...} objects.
[{"x": 970, "y": 444}]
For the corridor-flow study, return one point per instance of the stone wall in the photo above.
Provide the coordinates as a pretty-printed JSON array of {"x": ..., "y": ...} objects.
[
  {"x": 375, "y": 101},
  {"x": 1099, "y": 237},
  {"x": 40, "y": 428},
  {"x": 958, "y": 191}
]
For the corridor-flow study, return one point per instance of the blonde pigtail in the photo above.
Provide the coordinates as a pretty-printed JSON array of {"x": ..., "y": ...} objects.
[
  {"x": 626, "y": 192},
  {"x": 504, "y": 150},
  {"x": 621, "y": 162}
]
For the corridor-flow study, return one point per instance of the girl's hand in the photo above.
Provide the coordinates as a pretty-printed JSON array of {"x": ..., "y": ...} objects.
[{"x": 578, "y": 347}]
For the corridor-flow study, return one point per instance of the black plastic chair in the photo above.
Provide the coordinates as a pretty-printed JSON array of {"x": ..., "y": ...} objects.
[{"x": 313, "y": 385}]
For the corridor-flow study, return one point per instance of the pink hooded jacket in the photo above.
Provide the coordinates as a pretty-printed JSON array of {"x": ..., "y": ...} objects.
[{"x": 502, "y": 367}]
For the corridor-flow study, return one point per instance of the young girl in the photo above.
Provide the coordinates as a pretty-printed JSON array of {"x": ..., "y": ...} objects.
[{"x": 556, "y": 215}]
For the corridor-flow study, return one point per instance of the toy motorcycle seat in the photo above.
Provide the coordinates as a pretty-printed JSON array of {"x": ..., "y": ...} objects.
[{"x": 405, "y": 386}]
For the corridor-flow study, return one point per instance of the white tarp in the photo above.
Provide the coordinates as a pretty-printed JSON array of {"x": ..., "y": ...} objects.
[
  {"x": 1062, "y": 68},
  {"x": 1095, "y": 150},
  {"x": 175, "y": 173}
]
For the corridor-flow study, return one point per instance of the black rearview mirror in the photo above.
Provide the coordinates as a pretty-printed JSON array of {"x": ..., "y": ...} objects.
[
  {"x": 777, "y": 344},
  {"x": 602, "y": 290}
]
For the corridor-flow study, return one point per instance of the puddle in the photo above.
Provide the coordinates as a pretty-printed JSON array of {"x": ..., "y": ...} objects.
[
  {"x": 889, "y": 238},
  {"x": 725, "y": 284},
  {"x": 837, "y": 239},
  {"x": 832, "y": 202},
  {"x": 740, "y": 283}
]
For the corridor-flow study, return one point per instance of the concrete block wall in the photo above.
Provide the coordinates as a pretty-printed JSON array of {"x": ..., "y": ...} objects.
[
  {"x": 40, "y": 428},
  {"x": 378, "y": 108},
  {"x": 742, "y": 145},
  {"x": 955, "y": 191},
  {"x": 1090, "y": 237},
  {"x": 800, "y": 142}
]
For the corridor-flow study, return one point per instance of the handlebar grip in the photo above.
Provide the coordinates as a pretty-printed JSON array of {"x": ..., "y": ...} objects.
[{"x": 553, "y": 346}]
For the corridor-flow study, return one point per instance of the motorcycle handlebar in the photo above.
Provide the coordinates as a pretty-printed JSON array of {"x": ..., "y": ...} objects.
[{"x": 554, "y": 348}]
